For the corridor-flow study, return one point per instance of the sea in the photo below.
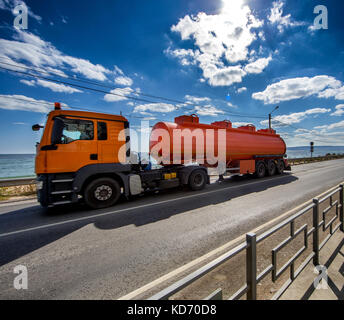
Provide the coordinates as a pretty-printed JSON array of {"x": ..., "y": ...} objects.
[{"x": 23, "y": 165}]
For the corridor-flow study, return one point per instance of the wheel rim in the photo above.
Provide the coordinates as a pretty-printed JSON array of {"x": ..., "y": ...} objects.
[
  {"x": 103, "y": 193},
  {"x": 272, "y": 169},
  {"x": 198, "y": 179},
  {"x": 261, "y": 169}
]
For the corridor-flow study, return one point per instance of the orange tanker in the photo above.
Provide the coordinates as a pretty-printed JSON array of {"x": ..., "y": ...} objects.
[{"x": 244, "y": 146}]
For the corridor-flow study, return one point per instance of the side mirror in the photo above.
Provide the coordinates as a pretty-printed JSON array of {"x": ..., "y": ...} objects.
[{"x": 37, "y": 127}]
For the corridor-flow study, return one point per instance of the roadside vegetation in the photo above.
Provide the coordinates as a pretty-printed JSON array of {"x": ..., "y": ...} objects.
[{"x": 17, "y": 192}]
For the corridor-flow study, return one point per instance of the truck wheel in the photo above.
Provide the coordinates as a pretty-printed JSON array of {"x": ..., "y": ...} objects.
[
  {"x": 102, "y": 193},
  {"x": 271, "y": 167},
  {"x": 260, "y": 169},
  {"x": 197, "y": 180},
  {"x": 280, "y": 166}
]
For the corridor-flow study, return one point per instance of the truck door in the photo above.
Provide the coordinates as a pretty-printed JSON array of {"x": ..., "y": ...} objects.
[
  {"x": 75, "y": 143},
  {"x": 110, "y": 140}
]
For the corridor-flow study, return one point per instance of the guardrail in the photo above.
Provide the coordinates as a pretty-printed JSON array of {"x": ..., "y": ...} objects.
[
  {"x": 17, "y": 182},
  {"x": 296, "y": 161},
  {"x": 318, "y": 220}
]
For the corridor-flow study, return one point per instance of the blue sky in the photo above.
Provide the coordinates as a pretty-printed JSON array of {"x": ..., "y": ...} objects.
[{"x": 229, "y": 59}]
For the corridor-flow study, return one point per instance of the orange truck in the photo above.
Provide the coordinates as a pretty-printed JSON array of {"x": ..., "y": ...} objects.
[{"x": 85, "y": 156}]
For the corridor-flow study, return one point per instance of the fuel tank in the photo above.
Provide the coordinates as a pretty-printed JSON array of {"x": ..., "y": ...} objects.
[{"x": 188, "y": 140}]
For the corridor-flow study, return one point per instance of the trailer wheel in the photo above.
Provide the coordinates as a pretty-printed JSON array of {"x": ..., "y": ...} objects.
[
  {"x": 280, "y": 167},
  {"x": 102, "y": 193},
  {"x": 271, "y": 167},
  {"x": 260, "y": 169},
  {"x": 197, "y": 180}
]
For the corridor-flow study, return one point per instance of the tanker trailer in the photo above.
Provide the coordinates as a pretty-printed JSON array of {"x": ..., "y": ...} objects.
[{"x": 244, "y": 149}]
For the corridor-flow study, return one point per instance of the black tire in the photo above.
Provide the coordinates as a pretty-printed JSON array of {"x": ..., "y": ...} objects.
[
  {"x": 260, "y": 169},
  {"x": 102, "y": 193},
  {"x": 280, "y": 167},
  {"x": 271, "y": 168},
  {"x": 197, "y": 180}
]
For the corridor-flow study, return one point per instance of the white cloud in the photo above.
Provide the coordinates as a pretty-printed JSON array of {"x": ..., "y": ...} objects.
[
  {"x": 242, "y": 89},
  {"x": 297, "y": 117},
  {"x": 296, "y": 88},
  {"x": 339, "y": 110},
  {"x": 185, "y": 57},
  {"x": 118, "y": 71},
  {"x": 11, "y": 4},
  {"x": 208, "y": 110},
  {"x": 32, "y": 49},
  {"x": 239, "y": 124},
  {"x": 331, "y": 126},
  {"x": 56, "y": 87},
  {"x": 322, "y": 138},
  {"x": 23, "y": 103},
  {"x": 276, "y": 17},
  {"x": 124, "y": 81},
  {"x": 257, "y": 66},
  {"x": 154, "y": 107},
  {"x": 197, "y": 99},
  {"x": 337, "y": 93},
  {"x": 221, "y": 40},
  {"x": 118, "y": 94},
  {"x": 30, "y": 83}
]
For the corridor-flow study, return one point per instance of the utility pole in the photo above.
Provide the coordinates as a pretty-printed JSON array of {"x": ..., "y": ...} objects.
[{"x": 271, "y": 117}]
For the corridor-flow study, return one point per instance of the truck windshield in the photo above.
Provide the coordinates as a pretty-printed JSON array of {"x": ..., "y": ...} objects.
[{"x": 69, "y": 130}]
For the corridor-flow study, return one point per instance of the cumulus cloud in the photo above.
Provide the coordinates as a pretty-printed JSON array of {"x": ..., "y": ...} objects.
[
  {"x": 55, "y": 87},
  {"x": 24, "y": 103},
  {"x": 339, "y": 110},
  {"x": 297, "y": 117},
  {"x": 118, "y": 94},
  {"x": 155, "y": 107},
  {"x": 208, "y": 110},
  {"x": 39, "y": 53},
  {"x": 221, "y": 42},
  {"x": 242, "y": 89},
  {"x": 331, "y": 126},
  {"x": 124, "y": 81},
  {"x": 197, "y": 99},
  {"x": 296, "y": 88},
  {"x": 276, "y": 17},
  {"x": 257, "y": 66}
]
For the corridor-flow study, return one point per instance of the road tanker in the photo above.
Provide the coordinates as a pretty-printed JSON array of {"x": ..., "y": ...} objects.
[{"x": 85, "y": 156}]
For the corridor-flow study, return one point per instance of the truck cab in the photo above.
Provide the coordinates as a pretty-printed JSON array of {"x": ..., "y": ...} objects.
[{"x": 86, "y": 156}]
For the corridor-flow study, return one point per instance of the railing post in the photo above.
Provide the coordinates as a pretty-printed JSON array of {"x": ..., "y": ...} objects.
[
  {"x": 251, "y": 266},
  {"x": 341, "y": 212},
  {"x": 316, "y": 232}
]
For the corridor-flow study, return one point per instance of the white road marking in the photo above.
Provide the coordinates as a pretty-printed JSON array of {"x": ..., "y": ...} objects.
[
  {"x": 212, "y": 253},
  {"x": 136, "y": 207}
]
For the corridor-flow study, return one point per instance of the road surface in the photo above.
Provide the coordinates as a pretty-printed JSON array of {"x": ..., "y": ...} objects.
[{"x": 75, "y": 253}]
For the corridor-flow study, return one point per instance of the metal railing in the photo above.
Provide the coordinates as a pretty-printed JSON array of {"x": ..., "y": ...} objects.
[
  {"x": 296, "y": 161},
  {"x": 250, "y": 246},
  {"x": 17, "y": 182}
]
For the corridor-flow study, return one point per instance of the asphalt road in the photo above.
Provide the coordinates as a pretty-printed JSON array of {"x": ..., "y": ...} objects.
[{"x": 74, "y": 253}]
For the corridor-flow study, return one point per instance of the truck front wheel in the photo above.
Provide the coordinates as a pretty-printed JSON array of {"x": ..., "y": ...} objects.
[
  {"x": 102, "y": 193},
  {"x": 197, "y": 180}
]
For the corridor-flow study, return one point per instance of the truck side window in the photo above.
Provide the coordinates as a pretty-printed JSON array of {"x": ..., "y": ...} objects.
[
  {"x": 102, "y": 131},
  {"x": 74, "y": 130}
]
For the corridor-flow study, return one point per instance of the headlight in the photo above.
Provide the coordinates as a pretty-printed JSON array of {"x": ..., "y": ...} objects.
[{"x": 39, "y": 185}]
